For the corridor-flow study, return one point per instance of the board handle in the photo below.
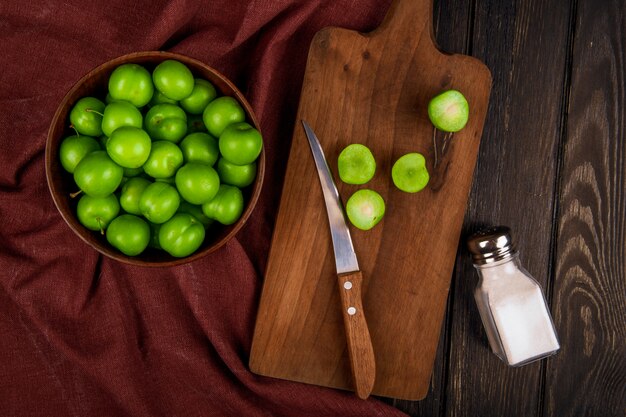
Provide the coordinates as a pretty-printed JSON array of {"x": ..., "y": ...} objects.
[
  {"x": 358, "y": 337},
  {"x": 405, "y": 19}
]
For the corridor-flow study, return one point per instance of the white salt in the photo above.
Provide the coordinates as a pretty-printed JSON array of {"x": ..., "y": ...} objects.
[{"x": 515, "y": 314}]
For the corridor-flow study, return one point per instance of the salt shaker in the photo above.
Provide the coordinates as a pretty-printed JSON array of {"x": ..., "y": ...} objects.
[{"x": 512, "y": 306}]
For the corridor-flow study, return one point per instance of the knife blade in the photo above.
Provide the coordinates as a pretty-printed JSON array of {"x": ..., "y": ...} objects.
[{"x": 350, "y": 278}]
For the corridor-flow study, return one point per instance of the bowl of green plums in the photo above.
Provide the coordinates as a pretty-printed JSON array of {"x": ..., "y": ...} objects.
[{"x": 155, "y": 159}]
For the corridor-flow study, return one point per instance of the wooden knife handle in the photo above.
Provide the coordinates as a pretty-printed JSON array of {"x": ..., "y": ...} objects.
[{"x": 357, "y": 334}]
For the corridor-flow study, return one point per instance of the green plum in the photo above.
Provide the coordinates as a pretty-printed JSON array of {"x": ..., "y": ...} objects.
[
  {"x": 97, "y": 175},
  {"x": 131, "y": 194},
  {"x": 195, "y": 211},
  {"x": 118, "y": 114},
  {"x": 170, "y": 180},
  {"x": 108, "y": 99},
  {"x": 86, "y": 116},
  {"x": 102, "y": 140},
  {"x": 200, "y": 147},
  {"x": 240, "y": 143},
  {"x": 222, "y": 112},
  {"x": 124, "y": 180},
  {"x": 166, "y": 122},
  {"x": 356, "y": 164},
  {"x": 203, "y": 93},
  {"x": 75, "y": 148},
  {"x": 158, "y": 202},
  {"x": 129, "y": 146},
  {"x": 173, "y": 79},
  {"x": 238, "y": 175},
  {"x": 182, "y": 235},
  {"x": 227, "y": 205},
  {"x": 95, "y": 213},
  {"x": 448, "y": 111},
  {"x": 195, "y": 123},
  {"x": 154, "y": 236},
  {"x": 409, "y": 173},
  {"x": 132, "y": 172},
  {"x": 197, "y": 183},
  {"x": 159, "y": 98},
  {"x": 129, "y": 234},
  {"x": 164, "y": 159},
  {"x": 131, "y": 82},
  {"x": 365, "y": 208}
]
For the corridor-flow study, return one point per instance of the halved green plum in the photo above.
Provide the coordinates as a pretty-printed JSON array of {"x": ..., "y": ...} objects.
[
  {"x": 448, "y": 111},
  {"x": 365, "y": 208},
  {"x": 409, "y": 173},
  {"x": 356, "y": 164}
]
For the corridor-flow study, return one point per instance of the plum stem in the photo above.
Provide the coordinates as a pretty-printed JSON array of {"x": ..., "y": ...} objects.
[
  {"x": 99, "y": 220},
  {"x": 75, "y": 130},
  {"x": 89, "y": 110},
  {"x": 446, "y": 139},
  {"x": 75, "y": 194}
]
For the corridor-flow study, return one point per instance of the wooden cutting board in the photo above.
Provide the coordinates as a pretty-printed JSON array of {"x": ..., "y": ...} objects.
[{"x": 372, "y": 89}]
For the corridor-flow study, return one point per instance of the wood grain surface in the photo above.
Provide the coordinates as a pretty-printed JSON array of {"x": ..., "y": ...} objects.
[
  {"x": 588, "y": 377},
  {"x": 514, "y": 186},
  {"x": 551, "y": 166},
  {"x": 453, "y": 24},
  {"x": 371, "y": 89}
]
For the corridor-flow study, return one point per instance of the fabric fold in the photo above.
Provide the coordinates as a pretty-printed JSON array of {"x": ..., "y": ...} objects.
[{"x": 82, "y": 334}]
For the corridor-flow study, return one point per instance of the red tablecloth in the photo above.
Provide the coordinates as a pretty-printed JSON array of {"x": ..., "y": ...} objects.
[{"x": 82, "y": 335}]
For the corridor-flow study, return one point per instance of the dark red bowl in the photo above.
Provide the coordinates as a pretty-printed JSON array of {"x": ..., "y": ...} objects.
[{"x": 61, "y": 183}]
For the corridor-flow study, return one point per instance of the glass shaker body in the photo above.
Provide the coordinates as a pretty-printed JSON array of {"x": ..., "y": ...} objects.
[
  {"x": 510, "y": 301},
  {"x": 514, "y": 313}
]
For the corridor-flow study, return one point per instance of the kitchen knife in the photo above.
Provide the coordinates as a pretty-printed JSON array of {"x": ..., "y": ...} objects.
[{"x": 350, "y": 279}]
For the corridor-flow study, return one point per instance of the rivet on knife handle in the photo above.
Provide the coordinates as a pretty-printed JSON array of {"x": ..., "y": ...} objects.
[{"x": 360, "y": 348}]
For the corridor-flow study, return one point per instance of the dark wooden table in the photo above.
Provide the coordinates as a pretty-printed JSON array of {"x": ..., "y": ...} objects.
[{"x": 551, "y": 167}]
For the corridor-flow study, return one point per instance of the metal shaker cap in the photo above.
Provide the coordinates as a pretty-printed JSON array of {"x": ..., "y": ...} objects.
[{"x": 491, "y": 245}]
